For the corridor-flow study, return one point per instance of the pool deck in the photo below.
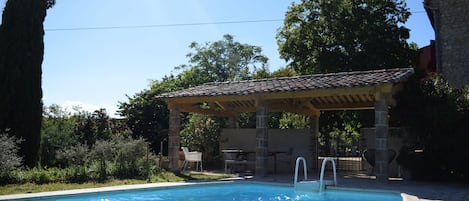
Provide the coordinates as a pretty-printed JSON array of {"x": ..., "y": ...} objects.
[{"x": 425, "y": 191}]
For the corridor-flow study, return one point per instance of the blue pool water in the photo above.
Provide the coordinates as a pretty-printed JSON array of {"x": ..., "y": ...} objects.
[{"x": 230, "y": 191}]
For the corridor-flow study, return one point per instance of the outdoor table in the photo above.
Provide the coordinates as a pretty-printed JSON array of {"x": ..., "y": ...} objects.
[
  {"x": 236, "y": 156},
  {"x": 274, "y": 154}
]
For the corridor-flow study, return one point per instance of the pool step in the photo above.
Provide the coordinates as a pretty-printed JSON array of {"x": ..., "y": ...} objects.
[{"x": 312, "y": 185}]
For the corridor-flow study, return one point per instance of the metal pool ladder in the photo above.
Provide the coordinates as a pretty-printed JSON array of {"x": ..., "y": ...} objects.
[{"x": 306, "y": 185}]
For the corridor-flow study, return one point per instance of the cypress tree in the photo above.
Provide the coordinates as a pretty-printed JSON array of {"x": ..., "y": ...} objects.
[{"x": 21, "y": 55}]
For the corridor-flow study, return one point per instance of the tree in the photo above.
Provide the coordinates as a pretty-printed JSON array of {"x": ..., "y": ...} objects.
[
  {"x": 219, "y": 61},
  {"x": 57, "y": 132},
  {"x": 223, "y": 60},
  {"x": 321, "y": 36},
  {"x": 21, "y": 55},
  {"x": 147, "y": 115},
  {"x": 436, "y": 116}
]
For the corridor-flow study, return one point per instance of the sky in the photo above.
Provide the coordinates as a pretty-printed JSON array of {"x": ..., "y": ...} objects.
[{"x": 99, "y": 52}]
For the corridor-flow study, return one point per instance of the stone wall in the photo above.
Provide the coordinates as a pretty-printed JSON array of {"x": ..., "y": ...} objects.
[
  {"x": 299, "y": 140},
  {"x": 451, "y": 27}
]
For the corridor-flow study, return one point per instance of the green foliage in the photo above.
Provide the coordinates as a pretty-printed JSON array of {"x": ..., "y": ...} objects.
[
  {"x": 339, "y": 133},
  {"x": 219, "y": 61},
  {"x": 291, "y": 120},
  {"x": 57, "y": 132},
  {"x": 61, "y": 129},
  {"x": 102, "y": 152},
  {"x": 8, "y": 156},
  {"x": 329, "y": 36},
  {"x": 76, "y": 155},
  {"x": 202, "y": 133},
  {"x": 148, "y": 116},
  {"x": 132, "y": 158},
  {"x": 436, "y": 115},
  {"x": 38, "y": 175},
  {"x": 162, "y": 176},
  {"x": 85, "y": 129}
]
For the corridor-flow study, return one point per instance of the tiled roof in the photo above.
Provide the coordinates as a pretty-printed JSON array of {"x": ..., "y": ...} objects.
[{"x": 297, "y": 83}]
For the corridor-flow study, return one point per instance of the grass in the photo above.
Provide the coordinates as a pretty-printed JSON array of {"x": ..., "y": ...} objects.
[{"x": 161, "y": 177}]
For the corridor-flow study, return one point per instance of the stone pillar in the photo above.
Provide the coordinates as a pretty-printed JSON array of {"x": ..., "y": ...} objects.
[
  {"x": 314, "y": 130},
  {"x": 381, "y": 143},
  {"x": 262, "y": 137},
  {"x": 174, "y": 138}
]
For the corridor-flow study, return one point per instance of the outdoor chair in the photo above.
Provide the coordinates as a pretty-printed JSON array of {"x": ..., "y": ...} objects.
[
  {"x": 369, "y": 156},
  {"x": 192, "y": 156}
]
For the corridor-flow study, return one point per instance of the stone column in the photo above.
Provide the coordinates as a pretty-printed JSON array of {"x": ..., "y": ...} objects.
[
  {"x": 262, "y": 137},
  {"x": 314, "y": 130},
  {"x": 174, "y": 138},
  {"x": 381, "y": 143}
]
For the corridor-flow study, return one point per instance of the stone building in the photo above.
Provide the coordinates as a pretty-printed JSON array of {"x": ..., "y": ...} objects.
[{"x": 450, "y": 21}]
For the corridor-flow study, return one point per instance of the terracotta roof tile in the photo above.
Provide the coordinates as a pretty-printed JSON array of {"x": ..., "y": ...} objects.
[{"x": 297, "y": 83}]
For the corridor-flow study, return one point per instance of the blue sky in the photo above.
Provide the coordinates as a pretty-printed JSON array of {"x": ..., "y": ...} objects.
[{"x": 96, "y": 68}]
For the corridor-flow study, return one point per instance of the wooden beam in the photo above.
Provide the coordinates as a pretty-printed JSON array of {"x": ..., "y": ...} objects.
[
  {"x": 321, "y": 93},
  {"x": 196, "y": 109},
  {"x": 196, "y": 99},
  {"x": 314, "y": 110},
  {"x": 346, "y": 106},
  {"x": 220, "y": 105}
]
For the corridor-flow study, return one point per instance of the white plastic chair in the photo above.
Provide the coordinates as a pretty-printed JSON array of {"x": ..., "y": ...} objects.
[{"x": 192, "y": 156}]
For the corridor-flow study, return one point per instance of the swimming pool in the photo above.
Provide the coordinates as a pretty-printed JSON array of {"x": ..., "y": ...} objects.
[{"x": 227, "y": 191}]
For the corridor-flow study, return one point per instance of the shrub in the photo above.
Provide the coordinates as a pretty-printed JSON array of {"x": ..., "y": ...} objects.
[
  {"x": 9, "y": 157},
  {"x": 130, "y": 158},
  {"x": 202, "y": 133},
  {"x": 76, "y": 155},
  {"x": 77, "y": 174},
  {"x": 437, "y": 116},
  {"x": 102, "y": 152}
]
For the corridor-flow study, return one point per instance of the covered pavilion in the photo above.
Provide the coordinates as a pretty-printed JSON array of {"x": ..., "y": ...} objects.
[{"x": 307, "y": 94}]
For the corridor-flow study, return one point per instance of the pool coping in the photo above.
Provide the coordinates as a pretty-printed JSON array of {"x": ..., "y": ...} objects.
[{"x": 45, "y": 195}]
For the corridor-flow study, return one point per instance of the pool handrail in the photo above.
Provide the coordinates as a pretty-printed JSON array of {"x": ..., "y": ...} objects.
[
  {"x": 305, "y": 173},
  {"x": 322, "y": 186}
]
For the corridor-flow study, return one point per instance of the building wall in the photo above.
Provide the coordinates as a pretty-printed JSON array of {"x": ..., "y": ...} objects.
[{"x": 451, "y": 27}]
